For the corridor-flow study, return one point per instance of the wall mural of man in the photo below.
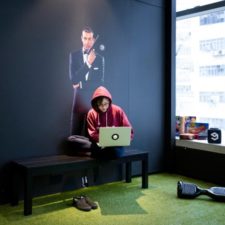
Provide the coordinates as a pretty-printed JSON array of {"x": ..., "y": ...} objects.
[{"x": 86, "y": 72}]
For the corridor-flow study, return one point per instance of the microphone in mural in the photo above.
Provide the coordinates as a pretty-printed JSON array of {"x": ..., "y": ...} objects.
[
  {"x": 86, "y": 72},
  {"x": 102, "y": 47}
]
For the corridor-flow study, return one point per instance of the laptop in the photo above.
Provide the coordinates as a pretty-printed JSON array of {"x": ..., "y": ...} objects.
[{"x": 114, "y": 136}]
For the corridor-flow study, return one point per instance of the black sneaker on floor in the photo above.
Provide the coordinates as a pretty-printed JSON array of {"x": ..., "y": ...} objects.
[
  {"x": 90, "y": 202},
  {"x": 80, "y": 203}
]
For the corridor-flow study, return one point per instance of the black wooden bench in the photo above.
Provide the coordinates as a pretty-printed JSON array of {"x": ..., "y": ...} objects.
[{"x": 57, "y": 164}]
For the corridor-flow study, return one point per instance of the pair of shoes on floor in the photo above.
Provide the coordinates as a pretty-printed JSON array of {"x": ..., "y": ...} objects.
[{"x": 84, "y": 203}]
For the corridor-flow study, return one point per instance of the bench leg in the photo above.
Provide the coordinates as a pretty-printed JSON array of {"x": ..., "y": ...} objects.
[
  {"x": 128, "y": 172},
  {"x": 95, "y": 174},
  {"x": 14, "y": 198},
  {"x": 145, "y": 173},
  {"x": 28, "y": 194}
]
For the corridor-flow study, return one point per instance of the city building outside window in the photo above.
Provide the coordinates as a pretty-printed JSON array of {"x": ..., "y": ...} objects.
[{"x": 200, "y": 63}]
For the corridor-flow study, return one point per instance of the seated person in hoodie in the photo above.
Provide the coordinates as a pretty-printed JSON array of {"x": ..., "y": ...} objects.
[{"x": 103, "y": 114}]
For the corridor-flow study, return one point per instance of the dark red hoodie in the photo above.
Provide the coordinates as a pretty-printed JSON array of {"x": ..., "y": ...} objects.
[{"x": 114, "y": 116}]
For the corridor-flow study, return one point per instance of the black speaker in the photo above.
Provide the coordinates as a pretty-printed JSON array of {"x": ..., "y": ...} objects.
[{"x": 214, "y": 136}]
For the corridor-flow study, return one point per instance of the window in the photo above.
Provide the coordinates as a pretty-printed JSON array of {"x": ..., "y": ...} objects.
[
  {"x": 200, "y": 62},
  {"x": 188, "y": 4}
]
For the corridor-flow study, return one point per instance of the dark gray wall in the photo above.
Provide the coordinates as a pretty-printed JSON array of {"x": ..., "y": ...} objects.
[
  {"x": 146, "y": 78},
  {"x": 36, "y": 38}
]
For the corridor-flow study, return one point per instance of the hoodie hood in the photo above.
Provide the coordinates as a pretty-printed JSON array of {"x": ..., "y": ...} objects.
[{"x": 100, "y": 92}]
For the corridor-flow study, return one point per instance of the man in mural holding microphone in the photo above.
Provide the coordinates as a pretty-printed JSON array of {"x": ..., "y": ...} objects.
[{"x": 86, "y": 71}]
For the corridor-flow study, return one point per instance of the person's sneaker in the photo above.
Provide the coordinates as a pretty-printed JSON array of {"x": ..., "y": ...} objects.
[
  {"x": 90, "y": 202},
  {"x": 80, "y": 203}
]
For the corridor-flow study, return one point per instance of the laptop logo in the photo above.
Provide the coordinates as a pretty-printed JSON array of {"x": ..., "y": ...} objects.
[{"x": 115, "y": 137}]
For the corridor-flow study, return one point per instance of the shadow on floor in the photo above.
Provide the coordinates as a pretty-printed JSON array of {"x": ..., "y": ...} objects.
[{"x": 117, "y": 198}]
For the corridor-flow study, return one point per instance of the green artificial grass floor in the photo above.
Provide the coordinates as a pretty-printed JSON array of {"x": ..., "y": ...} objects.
[{"x": 123, "y": 204}]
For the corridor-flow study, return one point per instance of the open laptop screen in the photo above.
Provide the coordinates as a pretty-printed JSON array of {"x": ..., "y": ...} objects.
[{"x": 114, "y": 136}]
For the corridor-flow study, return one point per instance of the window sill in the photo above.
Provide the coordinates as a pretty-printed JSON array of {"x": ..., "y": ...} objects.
[{"x": 202, "y": 145}]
